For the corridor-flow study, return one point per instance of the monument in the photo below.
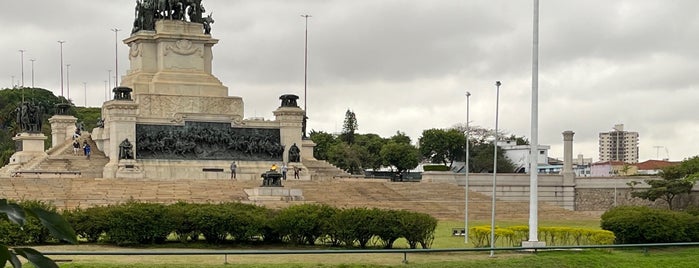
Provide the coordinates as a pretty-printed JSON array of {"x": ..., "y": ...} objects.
[{"x": 171, "y": 117}]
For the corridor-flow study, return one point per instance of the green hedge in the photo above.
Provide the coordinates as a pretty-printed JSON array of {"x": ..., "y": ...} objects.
[
  {"x": 553, "y": 236},
  {"x": 306, "y": 224},
  {"x": 633, "y": 224},
  {"x": 435, "y": 168},
  {"x": 31, "y": 233}
]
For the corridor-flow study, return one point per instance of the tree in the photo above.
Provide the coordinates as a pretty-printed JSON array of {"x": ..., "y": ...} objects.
[
  {"x": 400, "y": 155},
  {"x": 371, "y": 153},
  {"x": 346, "y": 157},
  {"x": 481, "y": 159},
  {"x": 442, "y": 146},
  {"x": 323, "y": 141},
  {"x": 400, "y": 137},
  {"x": 676, "y": 180},
  {"x": 51, "y": 220},
  {"x": 349, "y": 127}
]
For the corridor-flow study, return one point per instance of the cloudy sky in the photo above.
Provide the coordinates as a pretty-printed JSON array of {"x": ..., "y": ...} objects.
[{"x": 405, "y": 65}]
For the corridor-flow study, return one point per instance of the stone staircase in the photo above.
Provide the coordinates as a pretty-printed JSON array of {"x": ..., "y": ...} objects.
[
  {"x": 63, "y": 159},
  {"x": 319, "y": 169},
  {"x": 442, "y": 200}
]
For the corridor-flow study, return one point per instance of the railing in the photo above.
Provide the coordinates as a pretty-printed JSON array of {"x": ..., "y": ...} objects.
[{"x": 405, "y": 252}]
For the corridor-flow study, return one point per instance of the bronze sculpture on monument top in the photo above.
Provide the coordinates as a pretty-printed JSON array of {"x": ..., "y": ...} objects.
[{"x": 148, "y": 11}]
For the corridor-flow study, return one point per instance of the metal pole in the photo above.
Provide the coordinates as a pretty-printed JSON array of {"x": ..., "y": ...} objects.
[
  {"x": 68, "y": 81},
  {"x": 32, "y": 60},
  {"x": 85, "y": 91},
  {"x": 21, "y": 63},
  {"x": 534, "y": 146},
  {"x": 61, "y": 44},
  {"x": 116, "y": 57},
  {"x": 305, "y": 75},
  {"x": 495, "y": 170},
  {"x": 468, "y": 96},
  {"x": 106, "y": 91},
  {"x": 109, "y": 78}
]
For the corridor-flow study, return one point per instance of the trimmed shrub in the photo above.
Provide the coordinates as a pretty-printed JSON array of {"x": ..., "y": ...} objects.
[
  {"x": 387, "y": 227},
  {"x": 138, "y": 223},
  {"x": 633, "y": 225},
  {"x": 212, "y": 221},
  {"x": 246, "y": 221},
  {"x": 435, "y": 168},
  {"x": 180, "y": 214},
  {"x": 304, "y": 224},
  {"x": 89, "y": 223},
  {"x": 417, "y": 228}
]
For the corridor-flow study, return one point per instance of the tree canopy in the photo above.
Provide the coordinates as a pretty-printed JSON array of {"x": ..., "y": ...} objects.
[{"x": 676, "y": 180}]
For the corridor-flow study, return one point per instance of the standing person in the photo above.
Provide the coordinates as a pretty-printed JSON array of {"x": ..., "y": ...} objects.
[
  {"x": 84, "y": 147},
  {"x": 297, "y": 170},
  {"x": 87, "y": 151},
  {"x": 284, "y": 170},
  {"x": 234, "y": 167},
  {"x": 76, "y": 147}
]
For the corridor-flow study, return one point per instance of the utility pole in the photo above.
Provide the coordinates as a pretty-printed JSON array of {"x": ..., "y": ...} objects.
[
  {"x": 68, "y": 80},
  {"x": 61, "y": 44},
  {"x": 116, "y": 57},
  {"x": 305, "y": 77},
  {"x": 21, "y": 57},
  {"x": 32, "y": 60}
]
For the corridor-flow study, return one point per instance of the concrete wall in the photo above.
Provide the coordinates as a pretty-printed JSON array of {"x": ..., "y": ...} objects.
[{"x": 585, "y": 194}]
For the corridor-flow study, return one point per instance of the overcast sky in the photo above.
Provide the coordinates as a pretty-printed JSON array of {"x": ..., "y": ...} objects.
[{"x": 405, "y": 65}]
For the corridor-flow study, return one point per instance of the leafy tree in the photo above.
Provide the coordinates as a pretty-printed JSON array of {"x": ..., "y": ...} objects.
[
  {"x": 346, "y": 157},
  {"x": 442, "y": 146},
  {"x": 400, "y": 137},
  {"x": 481, "y": 159},
  {"x": 400, "y": 155},
  {"x": 371, "y": 153},
  {"x": 49, "y": 219},
  {"x": 676, "y": 181},
  {"x": 323, "y": 141},
  {"x": 349, "y": 127}
]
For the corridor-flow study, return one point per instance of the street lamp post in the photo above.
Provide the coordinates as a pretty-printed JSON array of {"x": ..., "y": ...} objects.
[
  {"x": 109, "y": 78},
  {"x": 534, "y": 147},
  {"x": 116, "y": 56},
  {"x": 68, "y": 81},
  {"x": 495, "y": 170},
  {"x": 32, "y": 60},
  {"x": 21, "y": 63},
  {"x": 61, "y": 45},
  {"x": 85, "y": 92},
  {"x": 468, "y": 96},
  {"x": 305, "y": 77}
]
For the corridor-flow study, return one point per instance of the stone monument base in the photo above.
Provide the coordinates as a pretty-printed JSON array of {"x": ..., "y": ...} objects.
[
  {"x": 274, "y": 194},
  {"x": 31, "y": 145},
  {"x": 533, "y": 244},
  {"x": 129, "y": 169}
]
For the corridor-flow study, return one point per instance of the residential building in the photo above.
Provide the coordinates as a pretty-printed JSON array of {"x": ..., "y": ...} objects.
[
  {"x": 618, "y": 145},
  {"x": 519, "y": 154},
  {"x": 611, "y": 169},
  {"x": 653, "y": 167}
]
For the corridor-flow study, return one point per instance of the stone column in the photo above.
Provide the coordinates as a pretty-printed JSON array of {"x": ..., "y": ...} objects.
[
  {"x": 120, "y": 120},
  {"x": 62, "y": 128},
  {"x": 290, "y": 118},
  {"x": 567, "y": 171}
]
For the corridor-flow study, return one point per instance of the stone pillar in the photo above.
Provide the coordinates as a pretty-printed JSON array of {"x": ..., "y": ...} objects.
[
  {"x": 120, "y": 121},
  {"x": 29, "y": 146},
  {"x": 62, "y": 128},
  {"x": 290, "y": 118},
  {"x": 567, "y": 171}
]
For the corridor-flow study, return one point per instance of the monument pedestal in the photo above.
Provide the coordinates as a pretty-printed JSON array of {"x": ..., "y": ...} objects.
[
  {"x": 62, "y": 128},
  {"x": 29, "y": 146},
  {"x": 129, "y": 169},
  {"x": 274, "y": 194}
]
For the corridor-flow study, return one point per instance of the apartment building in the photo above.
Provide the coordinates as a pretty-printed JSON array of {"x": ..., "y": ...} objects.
[{"x": 618, "y": 145}]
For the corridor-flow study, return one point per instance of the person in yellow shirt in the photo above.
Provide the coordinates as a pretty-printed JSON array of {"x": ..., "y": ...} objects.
[{"x": 274, "y": 167}]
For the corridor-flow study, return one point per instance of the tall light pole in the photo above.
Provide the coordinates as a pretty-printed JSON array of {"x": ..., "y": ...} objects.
[
  {"x": 21, "y": 60},
  {"x": 61, "y": 44},
  {"x": 468, "y": 96},
  {"x": 106, "y": 91},
  {"x": 85, "y": 91},
  {"x": 116, "y": 56},
  {"x": 68, "y": 80},
  {"x": 32, "y": 60},
  {"x": 305, "y": 77},
  {"x": 495, "y": 170},
  {"x": 534, "y": 147},
  {"x": 109, "y": 77}
]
